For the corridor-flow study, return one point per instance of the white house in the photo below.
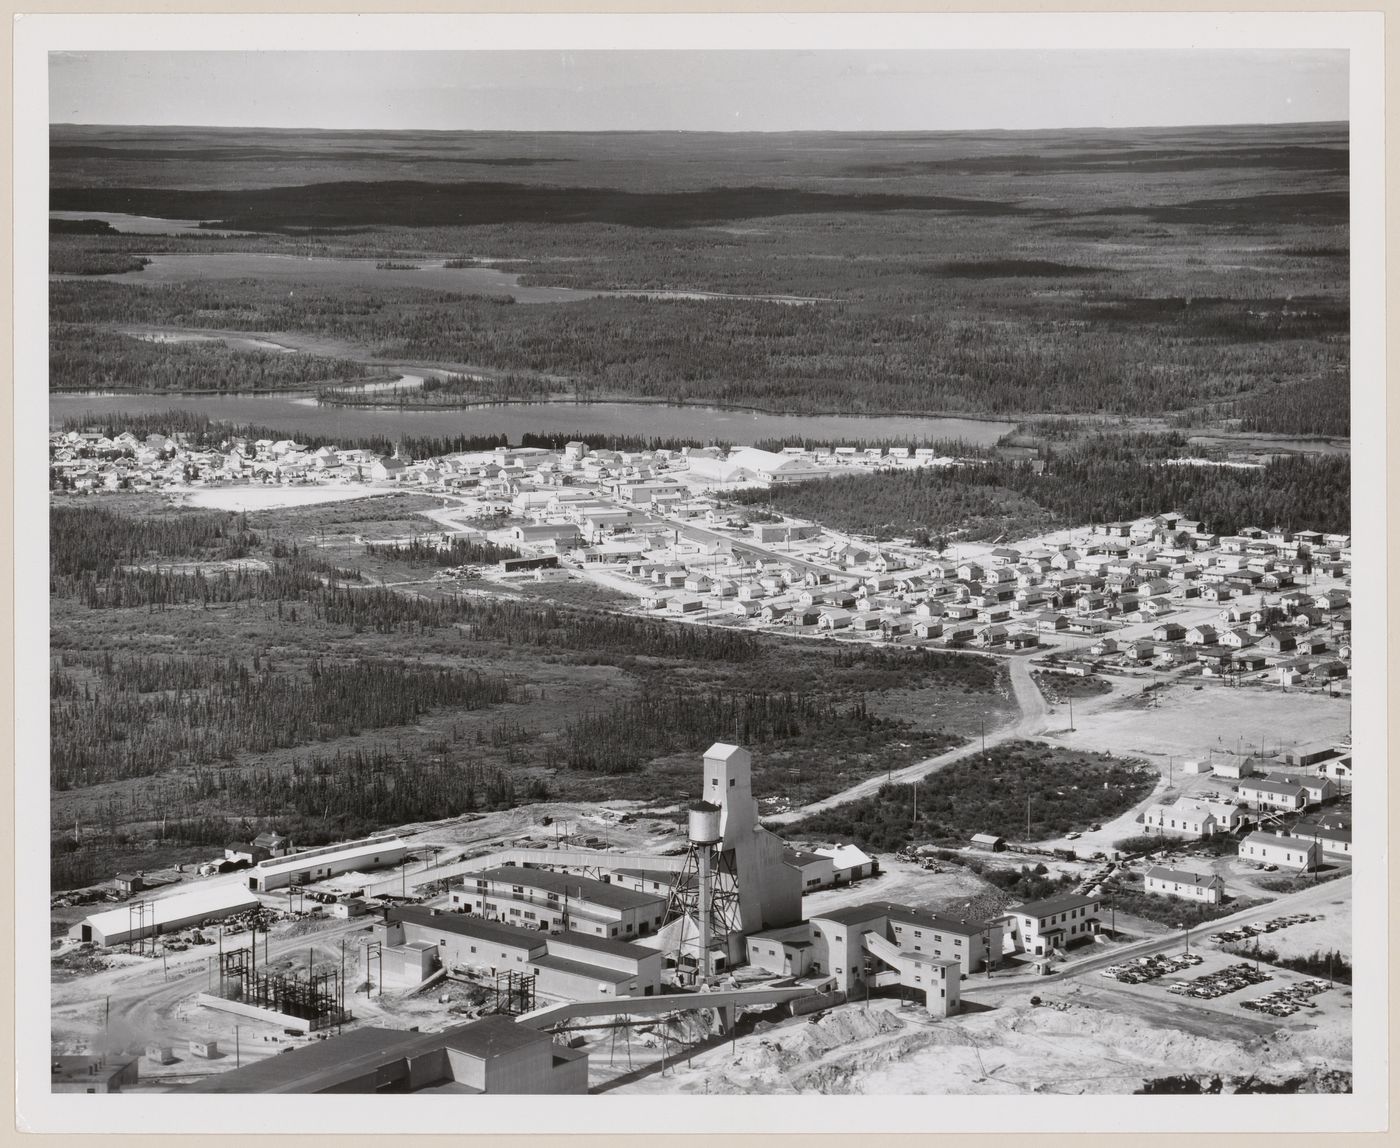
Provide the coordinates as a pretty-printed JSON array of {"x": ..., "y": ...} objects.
[
  {"x": 1274, "y": 793},
  {"x": 1206, "y": 889},
  {"x": 1287, "y": 852},
  {"x": 1191, "y": 818}
]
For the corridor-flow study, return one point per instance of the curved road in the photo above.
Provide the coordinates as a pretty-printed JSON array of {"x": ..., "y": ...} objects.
[{"x": 1034, "y": 719}]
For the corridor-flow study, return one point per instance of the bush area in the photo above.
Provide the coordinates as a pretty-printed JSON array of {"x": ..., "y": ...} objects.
[
  {"x": 317, "y": 800},
  {"x": 148, "y": 714},
  {"x": 1171, "y": 911},
  {"x": 1059, "y": 686},
  {"x": 1332, "y": 964},
  {"x": 1104, "y": 478},
  {"x": 1066, "y": 790},
  {"x": 1292, "y": 882},
  {"x": 1028, "y": 883},
  {"x": 623, "y": 738},
  {"x": 457, "y": 552}
]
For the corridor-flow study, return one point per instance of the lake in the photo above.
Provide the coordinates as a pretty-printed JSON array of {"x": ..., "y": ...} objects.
[
  {"x": 429, "y": 274},
  {"x": 145, "y": 224},
  {"x": 294, "y": 414}
]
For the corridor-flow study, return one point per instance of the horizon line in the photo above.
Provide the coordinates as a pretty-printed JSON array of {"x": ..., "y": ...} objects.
[{"x": 714, "y": 131}]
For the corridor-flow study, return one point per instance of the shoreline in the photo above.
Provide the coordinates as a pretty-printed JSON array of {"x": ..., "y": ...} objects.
[{"x": 563, "y": 399}]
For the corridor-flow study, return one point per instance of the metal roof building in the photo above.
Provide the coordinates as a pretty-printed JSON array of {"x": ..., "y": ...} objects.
[
  {"x": 328, "y": 861},
  {"x": 142, "y": 918}
]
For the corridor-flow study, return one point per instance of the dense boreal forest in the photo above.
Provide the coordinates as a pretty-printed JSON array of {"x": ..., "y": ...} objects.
[
  {"x": 1198, "y": 273},
  {"x": 202, "y": 431},
  {"x": 849, "y": 356},
  {"x": 1101, "y": 479},
  {"x": 989, "y": 793},
  {"x": 84, "y": 358}
]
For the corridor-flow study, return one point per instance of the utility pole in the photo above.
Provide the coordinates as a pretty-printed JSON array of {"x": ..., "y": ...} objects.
[
  {"x": 984, "y": 735},
  {"x": 237, "y": 1049},
  {"x": 1028, "y": 817},
  {"x": 1071, "y": 713}
]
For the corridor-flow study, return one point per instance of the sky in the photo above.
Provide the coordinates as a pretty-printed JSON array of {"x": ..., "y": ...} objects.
[{"x": 759, "y": 90}]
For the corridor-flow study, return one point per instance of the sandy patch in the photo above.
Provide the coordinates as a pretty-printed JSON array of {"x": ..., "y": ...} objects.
[{"x": 274, "y": 497}]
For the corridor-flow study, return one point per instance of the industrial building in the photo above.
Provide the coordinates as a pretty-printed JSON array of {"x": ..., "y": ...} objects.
[
  {"x": 415, "y": 941},
  {"x": 328, "y": 861},
  {"x": 833, "y": 942},
  {"x": 95, "y": 1074},
  {"x": 543, "y": 899},
  {"x": 734, "y": 880},
  {"x": 491, "y": 1055},
  {"x": 864, "y": 947},
  {"x": 137, "y": 919}
]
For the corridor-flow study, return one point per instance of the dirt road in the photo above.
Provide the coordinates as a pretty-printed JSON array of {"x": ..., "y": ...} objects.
[{"x": 1034, "y": 719}]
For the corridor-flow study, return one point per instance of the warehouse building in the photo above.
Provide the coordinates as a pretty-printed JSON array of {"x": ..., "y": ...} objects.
[
  {"x": 491, "y": 1055},
  {"x": 328, "y": 861},
  {"x": 543, "y": 899},
  {"x": 576, "y": 966},
  {"x": 138, "y": 919}
]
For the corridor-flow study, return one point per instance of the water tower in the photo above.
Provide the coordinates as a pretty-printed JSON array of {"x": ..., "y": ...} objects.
[{"x": 704, "y": 896}]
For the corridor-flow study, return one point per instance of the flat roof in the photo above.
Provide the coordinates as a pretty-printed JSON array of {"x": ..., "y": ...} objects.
[
  {"x": 317, "y": 1066},
  {"x": 313, "y": 858},
  {"x": 467, "y": 925},
  {"x": 600, "y": 944},
  {"x": 582, "y": 969},
  {"x": 854, "y": 914},
  {"x": 321, "y": 1065},
  {"x": 581, "y": 888}
]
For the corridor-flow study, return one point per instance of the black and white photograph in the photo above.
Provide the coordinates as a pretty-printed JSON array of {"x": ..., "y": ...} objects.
[{"x": 796, "y": 574}]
